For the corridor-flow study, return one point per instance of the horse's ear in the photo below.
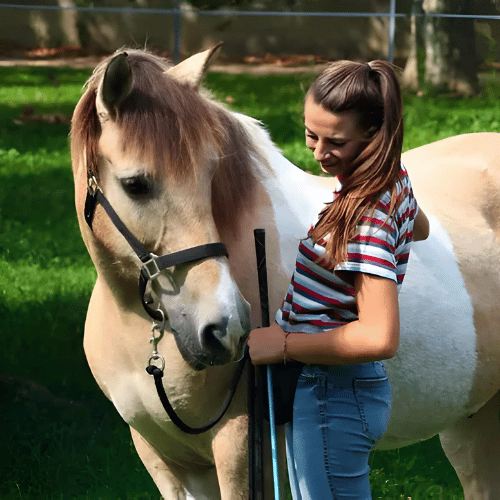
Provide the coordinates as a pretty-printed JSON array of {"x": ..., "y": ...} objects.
[
  {"x": 115, "y": 86},
  {"x": 190, "y": 71}
]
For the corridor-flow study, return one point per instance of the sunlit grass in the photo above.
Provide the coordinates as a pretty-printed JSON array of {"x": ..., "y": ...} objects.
[{"x": 46, "y": 278}]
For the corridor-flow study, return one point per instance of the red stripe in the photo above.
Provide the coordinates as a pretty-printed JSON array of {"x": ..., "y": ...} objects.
[
  {"x": 325, "y": 310},
  {"x": 317, "y": 259},
  {"x": 313, "y": 294},
  {"x": 370, "y": 258},
  {"x": 377, "y": 223},
  {"x": 327, "y": 323},
  {"x": 383, "y": 206},
  {"x": 325, "y": 281},
  {"x": 372, "y": 239}
]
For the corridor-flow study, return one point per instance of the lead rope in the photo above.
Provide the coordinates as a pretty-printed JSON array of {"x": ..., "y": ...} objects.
[{"x": 157, "y": 331}]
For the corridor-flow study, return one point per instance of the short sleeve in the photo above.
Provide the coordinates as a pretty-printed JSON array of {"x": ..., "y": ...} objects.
[{"x": 373, "y": 249}]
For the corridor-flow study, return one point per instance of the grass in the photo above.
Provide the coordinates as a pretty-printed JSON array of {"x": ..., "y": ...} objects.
[{"x": 53, "y": 449}]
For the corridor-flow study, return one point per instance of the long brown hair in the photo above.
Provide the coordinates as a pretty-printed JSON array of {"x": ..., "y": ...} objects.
[{"x": 372, "y": 92}]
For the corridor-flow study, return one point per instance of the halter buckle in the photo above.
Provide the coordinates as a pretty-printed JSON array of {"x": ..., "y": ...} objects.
[
  {"x": 90, "y": 200},
  {"x": 92, "y": 185},
  {"x": 151, "y": 268}
]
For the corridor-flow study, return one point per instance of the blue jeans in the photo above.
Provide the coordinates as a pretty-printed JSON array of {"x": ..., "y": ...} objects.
[{"x": 339, "y": 413}]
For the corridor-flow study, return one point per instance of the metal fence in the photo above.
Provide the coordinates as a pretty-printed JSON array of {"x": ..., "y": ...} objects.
[{"x": 176, "y": 13}]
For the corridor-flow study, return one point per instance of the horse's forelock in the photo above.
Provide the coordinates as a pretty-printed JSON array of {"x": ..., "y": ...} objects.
[
  {"x": 165, "y": 123},
  {"x": 170, "y": 126}
]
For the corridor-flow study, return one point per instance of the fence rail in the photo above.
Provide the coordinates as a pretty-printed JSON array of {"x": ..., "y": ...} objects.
[{"x": 177, "y": 12}]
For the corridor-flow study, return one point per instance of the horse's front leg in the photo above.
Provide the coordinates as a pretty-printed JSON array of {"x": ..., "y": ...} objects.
[
  {"x": 169, "y": 485},
  {"x": 176, "y": 482},
  {"x": 230, "y": 449}
]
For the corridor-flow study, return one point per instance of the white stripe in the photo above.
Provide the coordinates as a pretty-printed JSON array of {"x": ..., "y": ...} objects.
[{"x": 433, "y": 373}]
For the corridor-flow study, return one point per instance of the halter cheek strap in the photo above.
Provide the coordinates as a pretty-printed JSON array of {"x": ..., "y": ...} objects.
[{"x": 152, "y": 265}]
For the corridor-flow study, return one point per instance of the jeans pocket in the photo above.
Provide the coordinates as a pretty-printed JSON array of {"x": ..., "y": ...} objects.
[
  {"x": 315, "y": 383},
  {"x": 373, "y": 397}
]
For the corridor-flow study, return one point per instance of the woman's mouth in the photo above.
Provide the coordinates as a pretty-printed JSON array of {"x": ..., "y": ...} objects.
[{"x": 326, "y": 164}]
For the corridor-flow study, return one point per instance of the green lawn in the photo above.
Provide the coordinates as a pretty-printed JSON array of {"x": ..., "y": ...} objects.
[{"x": 51, "y": 450}]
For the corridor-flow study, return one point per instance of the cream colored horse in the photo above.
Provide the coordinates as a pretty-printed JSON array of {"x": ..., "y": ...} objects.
[{"x": 181, "y": 170}]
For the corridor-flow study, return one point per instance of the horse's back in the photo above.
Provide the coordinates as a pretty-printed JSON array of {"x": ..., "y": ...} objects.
[{"x": 458, "y": 180}]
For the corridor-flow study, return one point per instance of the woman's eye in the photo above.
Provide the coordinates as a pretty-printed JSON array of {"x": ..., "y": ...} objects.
[{"x": 139, "y": 185}]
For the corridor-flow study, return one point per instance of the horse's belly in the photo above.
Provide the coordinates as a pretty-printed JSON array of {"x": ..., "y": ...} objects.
[{"x": 432, "y": 376}]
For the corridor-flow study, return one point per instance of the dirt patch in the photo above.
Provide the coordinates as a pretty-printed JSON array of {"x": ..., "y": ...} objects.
[
  {"x": 266, "y": 65},
  {"x": 73, "y": 62}
]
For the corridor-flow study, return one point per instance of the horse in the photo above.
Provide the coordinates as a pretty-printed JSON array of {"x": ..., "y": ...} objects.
[{"x": 181, "y": 171}]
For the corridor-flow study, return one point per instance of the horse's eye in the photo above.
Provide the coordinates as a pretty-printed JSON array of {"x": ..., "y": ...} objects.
[{"x": 139, "y": 185}]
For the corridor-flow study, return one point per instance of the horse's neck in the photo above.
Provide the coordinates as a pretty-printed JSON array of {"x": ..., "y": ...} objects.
[
  {"x": 296, "y": 196},
  {"x": 287, "y": 203}
]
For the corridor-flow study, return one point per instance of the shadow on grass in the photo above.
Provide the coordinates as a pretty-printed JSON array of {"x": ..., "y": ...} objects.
[
  {"x": 43, "y": 341},
  {"x": 56, "y": 448},
  {"x": 35, "y": 76},
  {"x": 62, "y": 439}
]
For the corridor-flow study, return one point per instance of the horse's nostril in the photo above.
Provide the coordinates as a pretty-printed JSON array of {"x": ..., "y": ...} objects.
[
  {"x": 213, "y": 335},
  {"x": 213, "y": 331}
]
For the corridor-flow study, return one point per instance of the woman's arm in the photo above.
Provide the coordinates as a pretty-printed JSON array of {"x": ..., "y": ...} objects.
[
  {"x": 374, "y": 336},
  {"x": 420, "y": 226}
]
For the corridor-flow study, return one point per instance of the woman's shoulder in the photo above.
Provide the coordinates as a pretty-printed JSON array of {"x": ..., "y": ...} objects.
[
  {"x": 403, "y": 186},
  {"x": 404, "y": 177},
  {"x": 405, "y": 200}
]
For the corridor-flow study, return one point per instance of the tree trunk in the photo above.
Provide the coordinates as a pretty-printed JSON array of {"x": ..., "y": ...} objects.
[
  {"x": 450, "y": 62},
  {"x": 414, "y": 71}
]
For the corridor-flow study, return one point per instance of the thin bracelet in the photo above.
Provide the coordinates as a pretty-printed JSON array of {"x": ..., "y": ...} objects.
[{"x": 284, "y": 348}]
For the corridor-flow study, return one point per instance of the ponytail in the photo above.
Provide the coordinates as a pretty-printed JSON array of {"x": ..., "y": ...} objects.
[{"x": 372, "y": 92}]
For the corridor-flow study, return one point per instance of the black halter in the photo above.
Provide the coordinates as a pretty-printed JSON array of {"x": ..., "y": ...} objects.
[{"x": 152, "y": 266}]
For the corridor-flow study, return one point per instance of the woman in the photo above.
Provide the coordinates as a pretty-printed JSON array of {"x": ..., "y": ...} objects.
[{"x": 340, "y": 316}]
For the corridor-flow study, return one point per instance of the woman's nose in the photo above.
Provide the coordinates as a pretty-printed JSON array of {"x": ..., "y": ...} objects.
[{"x": 321, "y": 152}]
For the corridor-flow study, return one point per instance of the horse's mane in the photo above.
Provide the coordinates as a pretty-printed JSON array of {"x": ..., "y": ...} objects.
[{"x": 171, "y": 127}]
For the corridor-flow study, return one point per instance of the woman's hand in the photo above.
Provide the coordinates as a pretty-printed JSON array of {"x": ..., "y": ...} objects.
[{"x": 265, "y": 345}]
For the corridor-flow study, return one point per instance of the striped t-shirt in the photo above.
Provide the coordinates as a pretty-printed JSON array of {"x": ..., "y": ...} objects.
[{"x": 317, "y": 298}]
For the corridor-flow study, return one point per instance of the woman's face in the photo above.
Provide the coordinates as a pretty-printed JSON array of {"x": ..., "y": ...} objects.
[{"x": 336, "y": 139}]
